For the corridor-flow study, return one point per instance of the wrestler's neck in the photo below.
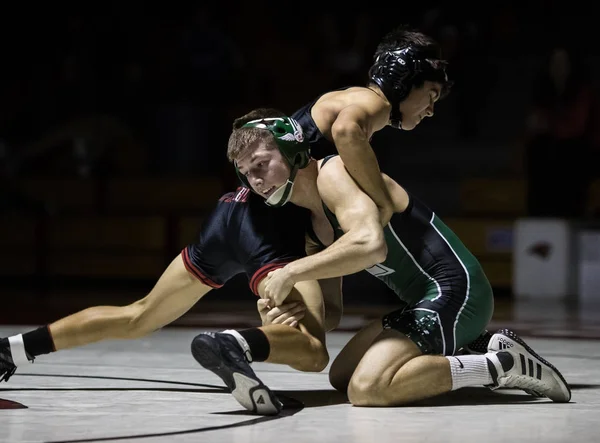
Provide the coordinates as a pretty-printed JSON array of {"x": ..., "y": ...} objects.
[{"x": 305, "y": 192}]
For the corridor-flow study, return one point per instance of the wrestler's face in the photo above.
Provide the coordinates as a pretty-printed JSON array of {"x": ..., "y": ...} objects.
[
  {"x": 264, "y": 167},
  {"x": 419, "y": 104}
]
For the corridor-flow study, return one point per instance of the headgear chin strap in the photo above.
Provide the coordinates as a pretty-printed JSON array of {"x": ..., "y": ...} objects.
[
  {"x": 281, "y": 195},
  {"x": 293, "y": 147}
]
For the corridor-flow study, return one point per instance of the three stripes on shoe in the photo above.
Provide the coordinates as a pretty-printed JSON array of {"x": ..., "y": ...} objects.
[{"x": 526, "y": 363}]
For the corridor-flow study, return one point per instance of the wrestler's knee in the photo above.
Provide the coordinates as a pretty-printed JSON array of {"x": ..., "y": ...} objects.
[
  {"x": 319, "y": 361},
  {"x": 368, "y": 387},
  {"x": 316, "y": 360}
]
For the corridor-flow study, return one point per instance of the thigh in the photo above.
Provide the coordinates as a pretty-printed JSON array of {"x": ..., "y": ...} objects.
[{"x": 332, "y": 298}]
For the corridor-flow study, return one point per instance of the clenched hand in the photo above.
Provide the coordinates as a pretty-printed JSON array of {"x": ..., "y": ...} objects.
[
  {"x": 278, "y": 286},
  {"x": 287, "y": 314}
]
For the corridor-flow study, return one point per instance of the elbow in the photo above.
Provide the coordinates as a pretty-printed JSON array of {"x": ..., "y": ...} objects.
[
  {"x": 380, "y": 252},
  {"x": 373, "y": 246},
  {"x": 342, "y": 130}
]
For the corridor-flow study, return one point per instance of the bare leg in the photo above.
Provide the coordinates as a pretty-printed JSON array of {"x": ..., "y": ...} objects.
[
  {"x": 174, "y": 294},
  {"x": 347, "y": 360},
  {"x": 296, "y": 348},
  {"x": 301, "y": 348},
  {"x": 393, "y": 372}
]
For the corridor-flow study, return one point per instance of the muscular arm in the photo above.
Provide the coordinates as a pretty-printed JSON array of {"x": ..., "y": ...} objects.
[
  {"x": 332, "y": 291},
  {"x": 351, "y": 132},
  {"x": 362, "y": 244},
  {"x": 173, "y": 295}
]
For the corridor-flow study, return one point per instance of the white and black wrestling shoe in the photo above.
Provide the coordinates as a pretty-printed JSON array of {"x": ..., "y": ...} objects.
[
  {"x": 524, "y": 369},
  {"x": 222, "y": 354}
]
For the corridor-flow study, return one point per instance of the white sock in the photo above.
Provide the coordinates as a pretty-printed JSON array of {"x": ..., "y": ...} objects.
[
  {"x": 17, "y": 350},
  {"x": 469, "y": 370},
  {"x": 242, "y": 342}
]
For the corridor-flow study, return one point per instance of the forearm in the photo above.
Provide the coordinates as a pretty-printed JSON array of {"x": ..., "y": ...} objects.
[
  {"x": 361, "y": 162},
  {"x": 91, "y": 325},
  {"x": 347, "y": 255}
]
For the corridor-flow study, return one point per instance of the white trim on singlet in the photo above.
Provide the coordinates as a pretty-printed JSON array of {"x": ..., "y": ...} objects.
[
  {"x": 241, "y": 195},
  {"x": 416, "y": 263},
  {"x": 466, "y": 274}
]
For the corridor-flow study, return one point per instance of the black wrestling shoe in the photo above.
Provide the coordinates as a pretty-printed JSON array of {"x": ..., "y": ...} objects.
[
  {"x": 7, "y": 367},
  {"x": 222, "y": 354}
]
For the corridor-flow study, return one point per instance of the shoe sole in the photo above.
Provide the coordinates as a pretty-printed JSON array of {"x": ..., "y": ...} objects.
[
  {"x": 564, "y": 386},
  {"x": 251, "y": 393},
  {"x": 7, "y": 369}
]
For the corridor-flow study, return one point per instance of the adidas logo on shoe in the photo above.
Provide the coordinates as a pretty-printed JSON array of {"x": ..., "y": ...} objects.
[
  {"x": 260, "y": 400},
  {"x": 504, "y": 344}
]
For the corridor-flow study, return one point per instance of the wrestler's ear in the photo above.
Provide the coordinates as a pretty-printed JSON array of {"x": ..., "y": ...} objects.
[{"x": 242, "y": 177}]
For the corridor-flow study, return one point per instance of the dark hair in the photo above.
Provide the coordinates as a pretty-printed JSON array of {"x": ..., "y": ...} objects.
[{"x": 425, "y": 47}]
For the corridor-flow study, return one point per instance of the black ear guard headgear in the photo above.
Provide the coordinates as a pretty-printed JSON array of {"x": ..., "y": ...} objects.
[
  {"x": 292, "y": 145},
  {"x": 395, "y": 72}
]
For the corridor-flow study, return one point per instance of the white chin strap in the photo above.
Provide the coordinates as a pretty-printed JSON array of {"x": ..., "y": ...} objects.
[{"x": 281, "y": 195}]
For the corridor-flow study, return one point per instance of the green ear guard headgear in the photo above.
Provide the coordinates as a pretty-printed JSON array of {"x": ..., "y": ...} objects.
[{"x": 292, "y": 145}]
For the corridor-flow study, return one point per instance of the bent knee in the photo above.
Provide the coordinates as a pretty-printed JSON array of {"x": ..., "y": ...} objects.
[
  {"x": 310, "y": 358},
  {"x": 369, "y": 390},
  {"x": 317, "y": 361},
  {"x": 135, "y": 324}
]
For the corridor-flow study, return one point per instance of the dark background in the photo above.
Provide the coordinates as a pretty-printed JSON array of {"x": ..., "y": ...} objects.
[{"x": 114, "y": 120}]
